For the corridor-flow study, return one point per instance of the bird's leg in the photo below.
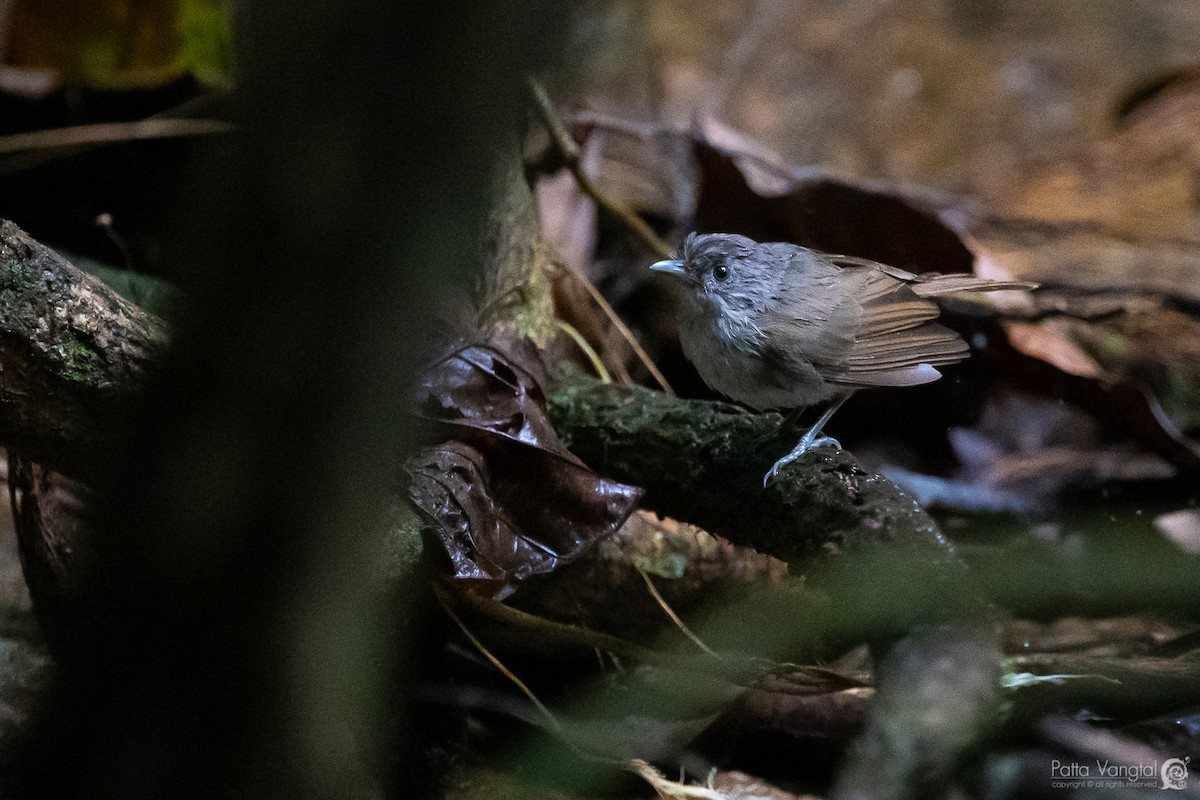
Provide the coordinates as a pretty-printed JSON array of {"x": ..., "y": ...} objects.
[
  {"x": 791, "y": 420},
  {"x": 811, "y": 438}
]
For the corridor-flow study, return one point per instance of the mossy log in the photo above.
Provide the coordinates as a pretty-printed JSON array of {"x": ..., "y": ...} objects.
[
  {"x": 704, "y": 462},
  {"x": 73, "y": 354}
]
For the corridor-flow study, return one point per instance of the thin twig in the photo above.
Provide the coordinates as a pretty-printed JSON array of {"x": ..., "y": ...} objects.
[
  {"x": 588, "y": 350},
  {"x": 670, "y": 612},
  {"x": 663, "y": 786},
  {"x": 569, "y": 151},
  {"x": 551, "y": 720},
  {"x": 111, "y": 132},
  {"x": 559, "y": 632},
  {"x": 194, "y": 108},
  {"x": 627, "y": 334}
]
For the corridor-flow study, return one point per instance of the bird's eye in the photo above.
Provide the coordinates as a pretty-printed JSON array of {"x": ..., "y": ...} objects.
[{"x": 721, "y": 272}]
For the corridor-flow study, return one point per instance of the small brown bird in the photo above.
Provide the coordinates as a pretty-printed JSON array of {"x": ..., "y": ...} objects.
[{"x": 776, "y": 325}]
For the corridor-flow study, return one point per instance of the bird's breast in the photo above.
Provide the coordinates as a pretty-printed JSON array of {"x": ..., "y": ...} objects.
[{"x": 731, "y": 357}]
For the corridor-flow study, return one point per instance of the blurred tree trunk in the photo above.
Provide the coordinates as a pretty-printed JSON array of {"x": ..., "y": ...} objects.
[{"x": 237, "y": 644}]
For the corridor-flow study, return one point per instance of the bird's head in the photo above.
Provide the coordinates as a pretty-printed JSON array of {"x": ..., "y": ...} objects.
[
  {"x": 726, "y": 281},
  {"x": 718, "y": 268}
]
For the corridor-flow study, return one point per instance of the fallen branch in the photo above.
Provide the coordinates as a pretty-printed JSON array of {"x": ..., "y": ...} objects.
[
  {"x": 73, "y": 355},
  {"x": 703, "y": 462}
]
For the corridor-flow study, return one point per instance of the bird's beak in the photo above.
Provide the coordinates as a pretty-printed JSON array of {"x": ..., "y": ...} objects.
[{"x": 672, "y": 266}]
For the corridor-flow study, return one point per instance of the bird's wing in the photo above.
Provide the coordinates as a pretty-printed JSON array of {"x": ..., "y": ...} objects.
[
  {"x": 854, "y": 262},
  {"x": 894, "y": 341},
  {"x": 901, "y": 358},
  {"x": 886, "y": 298}
]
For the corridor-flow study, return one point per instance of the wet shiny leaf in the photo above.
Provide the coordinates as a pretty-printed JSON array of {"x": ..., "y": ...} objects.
[{"x": 506, "y": 497}]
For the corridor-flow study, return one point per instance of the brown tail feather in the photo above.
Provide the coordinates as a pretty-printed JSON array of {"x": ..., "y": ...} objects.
[{"x": 938, "y": 285}]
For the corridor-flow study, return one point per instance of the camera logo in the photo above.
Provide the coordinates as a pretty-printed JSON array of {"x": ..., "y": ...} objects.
[{"x": 1174, "y": 773}]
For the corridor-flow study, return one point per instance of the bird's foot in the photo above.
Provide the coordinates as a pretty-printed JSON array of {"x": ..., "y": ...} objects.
[{"x": 800, "y": 449}]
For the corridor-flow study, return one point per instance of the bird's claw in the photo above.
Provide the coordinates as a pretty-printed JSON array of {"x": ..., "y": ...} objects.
[
  {"x": 774, "y": 470},
  {"x": 800, "y": 449}
]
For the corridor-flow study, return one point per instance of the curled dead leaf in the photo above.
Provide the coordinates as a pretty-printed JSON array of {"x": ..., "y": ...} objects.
[{"x": 506, "y": 498}]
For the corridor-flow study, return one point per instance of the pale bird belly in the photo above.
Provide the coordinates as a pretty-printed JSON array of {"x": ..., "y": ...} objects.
[{"x": 747, "y": 378}]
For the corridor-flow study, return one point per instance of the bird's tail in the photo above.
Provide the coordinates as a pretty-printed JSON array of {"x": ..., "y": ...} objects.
[{"x": 932, "y": 285}]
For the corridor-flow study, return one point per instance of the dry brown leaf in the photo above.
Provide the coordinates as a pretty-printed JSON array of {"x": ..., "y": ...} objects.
[{"x": 507, "y": 499}]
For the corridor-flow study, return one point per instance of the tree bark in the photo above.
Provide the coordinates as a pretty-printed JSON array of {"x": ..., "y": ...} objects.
[
  {"x": 704, "y": 462},
  {"x": 73, "y": 354}
]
